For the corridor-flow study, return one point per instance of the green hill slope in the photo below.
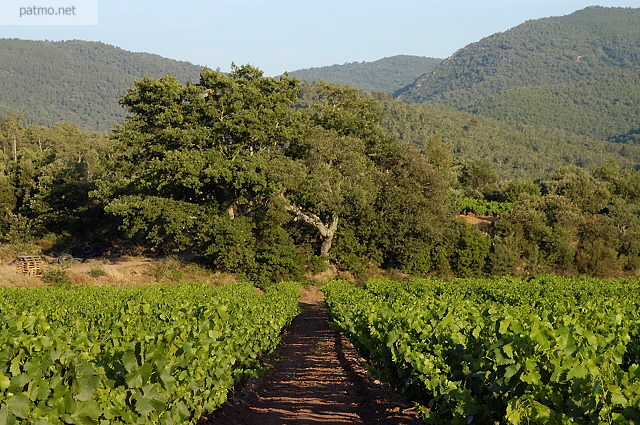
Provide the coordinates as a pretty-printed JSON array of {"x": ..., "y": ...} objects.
[
  {"x": 514, "y": 150},
  {"x": 384, "y": 75},
  {"x": 77, "y": 81},
  {"x": 579, "y": 72}
]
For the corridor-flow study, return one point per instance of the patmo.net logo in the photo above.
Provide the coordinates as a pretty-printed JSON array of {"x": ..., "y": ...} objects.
[{"x": 48, "y": 12}]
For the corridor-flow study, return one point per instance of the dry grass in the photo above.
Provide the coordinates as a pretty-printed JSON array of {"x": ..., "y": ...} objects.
[
  {"x": 481, "y": 221},
  {"x": 331, "y": 273},
  {"x": 311, "y": 294},
  {"x": 125, "y": 271},
  {"x": 9, "y": 277}
]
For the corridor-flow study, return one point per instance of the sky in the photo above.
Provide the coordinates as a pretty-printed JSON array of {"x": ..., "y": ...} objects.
[{"x": 285, "y": 35}]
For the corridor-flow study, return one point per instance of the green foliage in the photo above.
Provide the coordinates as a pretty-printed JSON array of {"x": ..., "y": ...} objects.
[
  {"x": 575, "y": 72},
  {"x": 17, "y": 229},
  {"x": 256, "y": 175},
  {"x": 44, "y": 183},
  {"x": 11, "y": 134},
  {"x": 278, "y": 263},
  {"x": 7, "y": 194},
  {"x": 384, "y": 75},
  {"x": 513, "y": 150},
  {"x": 60, "y": 198},
  {"x": 345, "y": 110},
  {"x": 97, "y": 271},
  {"x": 470, "y": 252},
  {"x": 350, "y": 251},
  {"x": 317, "y": 264},
  {"x": 483, "y": 207},
  {"x": 504, "y": 258},
  {"x": 160, "y": 219},
  {"x": 57, "y": 276},
  {"x": 515, "y": 188},
  {"x": 585, "y": 191},
  {"x": 580, "y": 222},
  {"x": 478, "y": 175},
  {"x": 271, "y": 179},
  {"x": 161, "y": 354},
  {"x": 541, "y": 350},
  {"x": 231, "y": 244}
]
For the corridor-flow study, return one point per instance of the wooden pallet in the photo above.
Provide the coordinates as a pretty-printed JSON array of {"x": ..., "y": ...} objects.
[{"x": 31, "y": 265}]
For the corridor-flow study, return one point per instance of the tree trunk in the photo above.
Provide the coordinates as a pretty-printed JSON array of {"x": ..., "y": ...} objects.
[
  {"x": 328, "y": 239},
  {"x": 327, "y": 233}
]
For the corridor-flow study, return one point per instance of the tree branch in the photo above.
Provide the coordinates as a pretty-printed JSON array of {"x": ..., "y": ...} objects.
[{"x": 309, "y": 218}]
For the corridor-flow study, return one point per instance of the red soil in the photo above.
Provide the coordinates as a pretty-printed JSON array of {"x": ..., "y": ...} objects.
[{"x": 318, "y": 380}]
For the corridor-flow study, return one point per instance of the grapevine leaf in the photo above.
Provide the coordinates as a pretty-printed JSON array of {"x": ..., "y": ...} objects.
[
  {"x": 578, "y": 371},
  {"x": 86, "y": 388},
  {"x": 129, "y": 361},
  {"x": 4, "y": 382},
  {"x": 149, "y": 400},
  {"x": 18, "y": 405},
  {"x": 508, "y": 350},
  {"x": 6, "y": 417},
  {"x": 617, "y": 397},
  {"x": 134, "y": 379},
  {"x": 511, "y": 370}
]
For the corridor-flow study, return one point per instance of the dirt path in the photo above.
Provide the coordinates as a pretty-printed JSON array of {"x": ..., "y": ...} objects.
[{"x": 317, "y": 380}]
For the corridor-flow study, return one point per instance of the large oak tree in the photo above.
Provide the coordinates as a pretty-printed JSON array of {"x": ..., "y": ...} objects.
[{"x": 247, "y": 169}]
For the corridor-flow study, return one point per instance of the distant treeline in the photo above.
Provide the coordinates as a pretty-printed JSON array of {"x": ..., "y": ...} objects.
[
  {"x": 386, "y": 75},
  {"x": 515, "y": 151}
]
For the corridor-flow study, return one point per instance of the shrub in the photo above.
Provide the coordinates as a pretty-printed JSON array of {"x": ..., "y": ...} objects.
[
  {"x": 97, "y": 271},
  {"x": 471, "y": 253},
  {"x": 167, "y": 268},
  {"x": 57, "y": 276}
]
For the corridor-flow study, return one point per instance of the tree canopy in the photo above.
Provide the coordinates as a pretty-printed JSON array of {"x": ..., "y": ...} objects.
[
  {"x": 271, "y": 179},
  {"x": 247, "y": 171}
]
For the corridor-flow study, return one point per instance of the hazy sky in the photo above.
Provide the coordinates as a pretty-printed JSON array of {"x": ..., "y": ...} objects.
[{"x": 281, "y": 35}]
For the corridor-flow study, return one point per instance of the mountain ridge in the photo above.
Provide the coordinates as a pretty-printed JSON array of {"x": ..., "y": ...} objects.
[
  {"x": 388, "y": 74},
  {"x": 559, "y": 57}
]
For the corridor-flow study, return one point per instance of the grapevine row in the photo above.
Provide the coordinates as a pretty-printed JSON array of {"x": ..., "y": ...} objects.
[
  {"x": 147, "y": 355},
  {"x": 547, "y": 350}
]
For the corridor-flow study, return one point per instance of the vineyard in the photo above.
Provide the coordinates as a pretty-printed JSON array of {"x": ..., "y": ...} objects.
[
  {"x": 469, "y": 351},
  {"x": 517, "y": 351},
  {"x": 483, "y": 207},
  {"x": 143, "y": 355}
]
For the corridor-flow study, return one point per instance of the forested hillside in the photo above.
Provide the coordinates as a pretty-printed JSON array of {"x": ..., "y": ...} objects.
[
  {"x": 578, "y": 72},
  {"x": 513, "y": 150},
  {"x": 271, "y": 179},
  {"x": 76, "y": 81},
  {"x": 384, "y": 75}
]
